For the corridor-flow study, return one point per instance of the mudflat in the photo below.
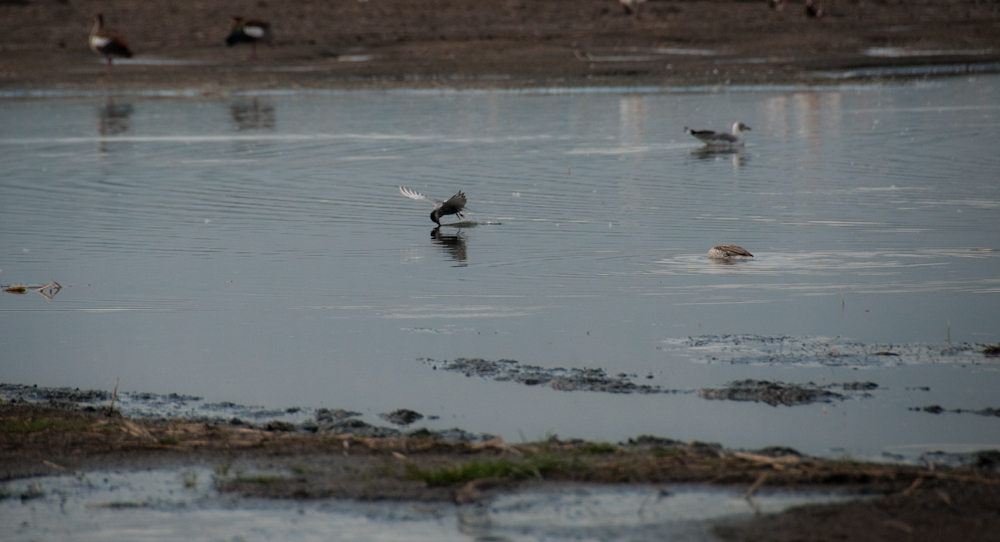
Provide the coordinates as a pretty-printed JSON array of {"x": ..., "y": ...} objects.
[
  {"x": 900, "y": 502},
  {"x": 508, "y": 44}
]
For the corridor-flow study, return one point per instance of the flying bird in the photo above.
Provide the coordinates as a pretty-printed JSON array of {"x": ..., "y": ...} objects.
[
  {"x": 721, "y": 139},
  {"x": 106, "y": 43},
  {"x": 249, "y": 31},
  {"x": 453, "y": 206},
  {"x": 729, "y": 252}
]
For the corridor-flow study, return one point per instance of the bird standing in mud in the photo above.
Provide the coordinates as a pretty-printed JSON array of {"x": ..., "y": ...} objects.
[
  {"x": 453, "y": 206},
  {"x": 729, "y": 252},
  {"x": 249, "y": 31},
  {"x": 720, "y": 139},
  {"x": 106, "y": 43}
]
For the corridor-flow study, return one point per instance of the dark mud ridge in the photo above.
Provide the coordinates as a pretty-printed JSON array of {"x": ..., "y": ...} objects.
[
  {"x": 938, "y": 409},
  {"x": 779, "y": 393},
  {"x": 558, "y": 378},
  {"x": 583, "y": 379},
  {"x": 153, "y": 406},
  {"x": 813, "y": 351}
]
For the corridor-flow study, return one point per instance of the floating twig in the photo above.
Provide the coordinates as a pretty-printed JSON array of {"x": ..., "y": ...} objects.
[{"x": 47, "y": 290}]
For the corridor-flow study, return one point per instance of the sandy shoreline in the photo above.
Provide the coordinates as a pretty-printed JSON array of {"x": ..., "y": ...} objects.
[{"x": 430, "y": 44}]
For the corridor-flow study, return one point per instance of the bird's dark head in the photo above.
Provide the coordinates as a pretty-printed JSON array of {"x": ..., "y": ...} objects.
[{"x": 436, "y": 216}]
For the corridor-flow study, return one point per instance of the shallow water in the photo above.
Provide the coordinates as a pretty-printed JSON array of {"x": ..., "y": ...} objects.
[
  {"x": 256, "y": 249},
  {"x": 170, "y": 504}
]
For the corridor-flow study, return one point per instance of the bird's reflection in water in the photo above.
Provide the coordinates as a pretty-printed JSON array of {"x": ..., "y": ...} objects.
[
  {"x": 113, "y": 119},
  {"x": 453, "y": 244},
  {"x": 737, "y": 154},
  {"x": 251, "y": 115}
]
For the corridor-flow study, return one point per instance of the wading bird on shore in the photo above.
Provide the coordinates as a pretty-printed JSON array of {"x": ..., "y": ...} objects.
[
  {"x": 453, "y": 206},
  {"x": 249, "y": 31},
  {"x": 720, "y": 139},
  {"x": 106, "y": 43},
  {"x": 729, "y": 252}
]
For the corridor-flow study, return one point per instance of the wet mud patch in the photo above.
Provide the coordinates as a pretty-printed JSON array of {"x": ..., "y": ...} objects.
[
  {"x": 164, "y": 408},
  {"x": 938, "y": 409},
  {"x": 780, "y": 393},
  {"x": 930, "y": 510},
  {"x": 820, "y": 351},
  {"x": 401, "y": 416},
  {"x": 573, "y": 379}
]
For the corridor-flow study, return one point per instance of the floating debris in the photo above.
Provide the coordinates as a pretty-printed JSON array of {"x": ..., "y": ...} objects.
[
  {"x": 558, "y": 378},
  {"x": 49, "y": 290},
  {"x": 772, "y": 393},
  {"x": 818, "y": 351}
]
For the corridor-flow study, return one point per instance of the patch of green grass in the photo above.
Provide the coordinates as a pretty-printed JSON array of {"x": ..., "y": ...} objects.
[
  {"x": 597, "y": 448},
  {"x": 667, "y": 452},
  {"x": 35, "y": 425},
  {"x": 303, "y": 470},
  {"x": 534, "y": 466},
  {"x": 169, "y": 441},
  {"x": 222, "y": 469},
  {"x": 466, "y": 472},
  {"x": 190, "y": 479}
]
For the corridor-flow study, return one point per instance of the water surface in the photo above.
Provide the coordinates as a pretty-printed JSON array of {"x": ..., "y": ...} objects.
[{"x": 256, "y": 249}]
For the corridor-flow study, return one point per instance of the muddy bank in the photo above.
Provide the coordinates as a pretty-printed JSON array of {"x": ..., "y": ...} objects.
[
  {"x": 935, "y": 511},
  {"x": 942, "y": 502},
  {"x": 449, "y": 44}
]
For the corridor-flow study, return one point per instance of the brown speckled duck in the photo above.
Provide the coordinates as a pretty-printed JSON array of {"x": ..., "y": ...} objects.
[{"x": 729, "y": 252}]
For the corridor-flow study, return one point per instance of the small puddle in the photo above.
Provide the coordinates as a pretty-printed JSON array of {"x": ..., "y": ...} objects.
[{"x": 183, "y": 504}]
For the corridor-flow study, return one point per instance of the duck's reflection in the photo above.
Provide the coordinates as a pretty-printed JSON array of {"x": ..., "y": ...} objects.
[
  {"x": 737, "y": 154},
  {"x": 453, "y": 244},
  {"x": 113, "y": 119},
  {"x": 251, "y": 115}
]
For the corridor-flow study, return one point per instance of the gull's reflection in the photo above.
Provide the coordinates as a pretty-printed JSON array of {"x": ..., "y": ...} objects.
[
  {"x": 113, "y": 119},
  {"x": 453, "y": 244},
  {"x": 738, "y": 154},
  {"x": 251, "y": 115}
]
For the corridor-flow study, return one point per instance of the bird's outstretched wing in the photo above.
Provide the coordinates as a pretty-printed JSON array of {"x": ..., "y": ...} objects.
[
  {"x": 454, "y": 204},
  {"x": 711, "y": 136},
  {"x": 733, "y": 251},
  {"x": 413, "y": 194}
]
